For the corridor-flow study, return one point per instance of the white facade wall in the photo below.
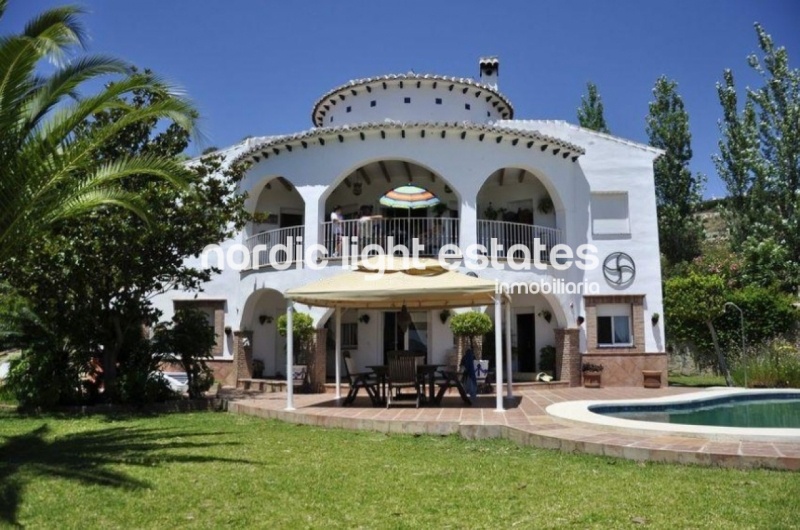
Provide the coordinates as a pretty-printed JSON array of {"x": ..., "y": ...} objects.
[
  {"x": 316, "y": 172},
  {"x": 389, "y": 104}
]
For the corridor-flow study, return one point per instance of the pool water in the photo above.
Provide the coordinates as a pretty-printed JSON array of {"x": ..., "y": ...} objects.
[{"x": 765, "y": 411}]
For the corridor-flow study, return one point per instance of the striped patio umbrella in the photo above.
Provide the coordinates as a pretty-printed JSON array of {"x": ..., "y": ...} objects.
[{"x": 409, "y": 198}]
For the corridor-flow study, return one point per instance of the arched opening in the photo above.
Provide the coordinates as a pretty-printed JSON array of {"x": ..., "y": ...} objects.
[
  {"x": 515, "y": 207},
  {"x": 260, "y": 315},
  {"x": 367, "y": 217},
  {"x": 279, "y": 221}
]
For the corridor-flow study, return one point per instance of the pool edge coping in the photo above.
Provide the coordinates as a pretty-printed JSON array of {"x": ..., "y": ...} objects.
[{"x": 578, "y": 413}]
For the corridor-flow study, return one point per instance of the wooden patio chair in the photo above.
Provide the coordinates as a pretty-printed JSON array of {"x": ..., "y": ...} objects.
[
  {"x": 359, "y": 380},
  {"x": 402, "y": 373}
]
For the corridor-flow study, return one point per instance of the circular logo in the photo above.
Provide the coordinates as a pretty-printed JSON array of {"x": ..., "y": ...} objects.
[{"x": 619, "y": 269}]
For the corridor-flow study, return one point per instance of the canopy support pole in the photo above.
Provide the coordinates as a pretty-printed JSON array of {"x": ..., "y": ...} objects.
[
  {"x": 509, "y": 389},
  {"x": 289, "y": 356},
  {"x": 338, "y": 320},
  {"x": 498, "y": 353}
]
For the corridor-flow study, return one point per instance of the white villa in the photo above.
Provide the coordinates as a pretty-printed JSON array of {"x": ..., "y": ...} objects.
[{"x": 514, "y": 181}]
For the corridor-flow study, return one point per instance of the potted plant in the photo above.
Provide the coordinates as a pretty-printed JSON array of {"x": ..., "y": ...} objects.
[
  {"x": 490, "y": 213},
  {"x": 591, "y": 375},
  {"x": 470, "y": 325},
  {"x": 547, "y": 359},
  {"x": 545, "y": 205},
  {"x": 303, "y": 332},
  {"x": 258, "y": 368}
]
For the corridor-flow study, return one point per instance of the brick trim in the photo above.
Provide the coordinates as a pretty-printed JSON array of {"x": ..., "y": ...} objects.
[{"x": 636, "y": 302}]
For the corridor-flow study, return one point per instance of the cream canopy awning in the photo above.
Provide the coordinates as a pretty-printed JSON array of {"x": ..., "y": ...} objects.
[{"x": 385, "y": 282}]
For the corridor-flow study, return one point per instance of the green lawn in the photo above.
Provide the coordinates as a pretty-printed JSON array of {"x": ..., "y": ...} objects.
[{"x": 213, "y": 470}]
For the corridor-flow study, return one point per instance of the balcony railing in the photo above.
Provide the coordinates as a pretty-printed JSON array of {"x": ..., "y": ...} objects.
[
  {"x": 510, "y": 234},
  {"x": 431, "y": 233},
  {"x": 263, "y": 244}
]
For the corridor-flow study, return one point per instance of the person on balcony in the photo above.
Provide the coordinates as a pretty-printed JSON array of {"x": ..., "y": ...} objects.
[
  {"x": 433, "y": 239},
  {"x": 367, "y": 226}
]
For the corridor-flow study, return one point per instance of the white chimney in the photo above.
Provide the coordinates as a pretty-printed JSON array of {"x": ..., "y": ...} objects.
[{"x": 490, "y": 70}]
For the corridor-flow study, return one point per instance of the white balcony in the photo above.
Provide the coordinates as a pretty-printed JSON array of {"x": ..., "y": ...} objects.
[{"x": 269, "y": 248}]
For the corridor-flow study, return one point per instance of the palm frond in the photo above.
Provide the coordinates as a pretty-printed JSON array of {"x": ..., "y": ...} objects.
[
  {"x": 56, "y": 30},
  {"x": 64, "y": 83}
]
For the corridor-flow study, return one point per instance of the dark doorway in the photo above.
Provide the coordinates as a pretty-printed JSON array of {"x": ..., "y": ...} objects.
[
  {"x": 395, "y": 340},
  {"x": 291, "y": 219},
  {"x": 526, "y": 342}
]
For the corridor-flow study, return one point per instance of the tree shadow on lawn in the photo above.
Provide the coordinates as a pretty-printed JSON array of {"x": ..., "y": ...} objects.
[{"x": 89, "y": 458}]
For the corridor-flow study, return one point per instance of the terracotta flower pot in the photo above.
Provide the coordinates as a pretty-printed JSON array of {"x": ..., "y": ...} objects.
[{"x": 591, "y": 379}]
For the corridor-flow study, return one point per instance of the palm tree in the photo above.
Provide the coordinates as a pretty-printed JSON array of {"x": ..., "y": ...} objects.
[{"x": 48, "y": 172}]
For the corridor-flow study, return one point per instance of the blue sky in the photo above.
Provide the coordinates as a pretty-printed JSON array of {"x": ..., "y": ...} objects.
[{"x": 256, "y": 67}]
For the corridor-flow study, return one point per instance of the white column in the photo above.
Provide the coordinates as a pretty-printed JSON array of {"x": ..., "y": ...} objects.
[
  {"x": 509, "y": 390},
  {"x": 498, "y": 353},
  {"x": 314, "y": 214},
  {"x": 338, "y": 320},
  {"x": 289, "y": 355}
]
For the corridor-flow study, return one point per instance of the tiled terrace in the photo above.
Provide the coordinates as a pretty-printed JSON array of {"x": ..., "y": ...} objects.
[{"x": 525, "y": 422}]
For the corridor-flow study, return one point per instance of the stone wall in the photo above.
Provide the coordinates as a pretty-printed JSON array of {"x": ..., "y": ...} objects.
[
  {"x": 243, "y": 354},
  {"x": 626, "y": 369},
  {"x": 223, "y": 370},
  {"x": 317, "y": 364},
  {"x": 568, "y": 358}
]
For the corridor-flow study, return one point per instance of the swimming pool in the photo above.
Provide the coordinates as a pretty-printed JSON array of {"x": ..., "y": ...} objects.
[
  {"x": 750, "y": 411},
  {"x": 586, "y": 412}
]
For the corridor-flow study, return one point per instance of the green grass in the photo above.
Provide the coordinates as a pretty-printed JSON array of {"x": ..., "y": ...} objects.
[
  {"x": 696, "y": 380},
  {"x": 214, "y": 470}
]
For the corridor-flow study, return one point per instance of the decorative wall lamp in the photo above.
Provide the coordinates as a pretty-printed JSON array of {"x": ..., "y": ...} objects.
[
  {"x": 581, "y": 320},
  {"x": 444, "y": 315},
  {"x": 357, "y": 185},
  {"x": 364, "y": 319}
]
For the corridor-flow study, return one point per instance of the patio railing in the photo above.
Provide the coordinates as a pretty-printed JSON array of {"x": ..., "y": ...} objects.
[{"x": 262, "y": 244}]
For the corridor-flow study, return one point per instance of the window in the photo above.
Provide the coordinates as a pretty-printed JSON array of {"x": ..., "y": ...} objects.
[
  {"x": 350, "y": 335},
  {"x": 348, "y": 109},
  {"x": 214, "y": 310},
  {"x": 466, "y": 106},
  {"x": 610, "y": 213},
  {"x": 407, "y": 100},
  {"x": 614, "y": 325},
  {"x": 438, "y": 101},
  {"x": 373, "y": 103}
]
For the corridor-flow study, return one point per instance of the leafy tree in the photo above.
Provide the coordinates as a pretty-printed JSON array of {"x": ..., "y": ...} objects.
[
  {"x": 302, "y": 332},
  {"x": 590, "y": 113},
  {"x": 695, "y": 299},
  {"x": 678, "y": 192},
  {"x": 92, "y": 279},
  {"x": 48, "y": 173},
  {"x": 759, "y": 158},
  {"x": 188, "y": 340},
  {"x": 470, "y": 324}
]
